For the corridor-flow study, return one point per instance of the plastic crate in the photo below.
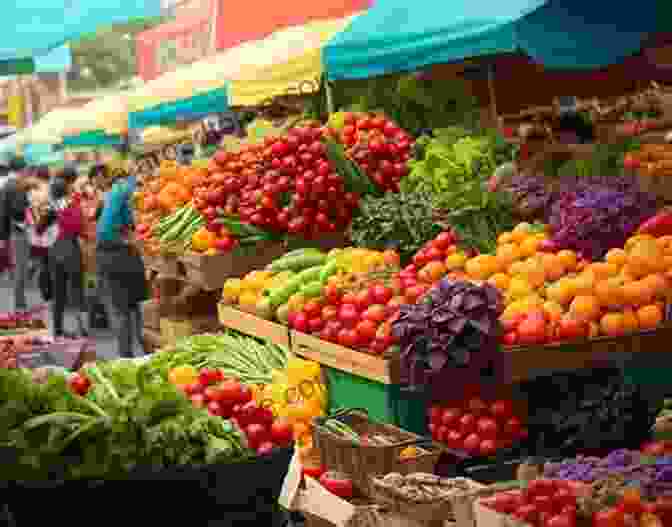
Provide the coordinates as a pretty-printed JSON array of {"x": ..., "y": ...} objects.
[{"x": 385, "y": 402}]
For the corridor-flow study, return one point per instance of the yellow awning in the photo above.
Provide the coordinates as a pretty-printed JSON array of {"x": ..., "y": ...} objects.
[
  {"x": 49, "y": 129},
  {"x": 287, "y": 62},
  {"x": 285, "y": 59},
  {"x": 159, "y": 135},
  {"x": 108, "y": 113}
]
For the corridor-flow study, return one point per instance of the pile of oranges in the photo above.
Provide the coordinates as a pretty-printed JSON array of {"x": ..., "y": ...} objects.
[{"x": 553, "y": 296}]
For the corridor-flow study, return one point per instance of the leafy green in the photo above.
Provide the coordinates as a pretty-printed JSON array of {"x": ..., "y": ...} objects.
[{"x": 404, "y": 222}]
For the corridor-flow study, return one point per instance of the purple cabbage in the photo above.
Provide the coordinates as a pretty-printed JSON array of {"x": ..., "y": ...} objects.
[
  {"x": 454, "y": 321},
  {"x": 591, "y": 217}
]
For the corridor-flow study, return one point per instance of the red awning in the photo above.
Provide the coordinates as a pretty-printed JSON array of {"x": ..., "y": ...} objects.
[{"x": 235, "y": 24}]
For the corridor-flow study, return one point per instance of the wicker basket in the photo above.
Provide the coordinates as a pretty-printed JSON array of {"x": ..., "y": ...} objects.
[{"x": 362, "y": 461}]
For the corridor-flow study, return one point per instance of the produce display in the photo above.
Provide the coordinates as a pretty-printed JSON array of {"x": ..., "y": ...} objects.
[
  {"x": 11, "y": 348},
  {"x": 10, "y": 322},
  {"x": 421, "y": 488},
  {"x": 476, "y": 426}
]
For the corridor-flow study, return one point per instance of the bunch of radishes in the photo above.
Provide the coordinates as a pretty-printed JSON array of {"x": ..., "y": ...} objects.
[
  {"x": 476, "y": 427},
  {"x": 379, "y": 146}
]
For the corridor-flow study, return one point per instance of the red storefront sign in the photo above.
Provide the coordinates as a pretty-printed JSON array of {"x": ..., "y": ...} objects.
[{"x": 168, "y": 46}]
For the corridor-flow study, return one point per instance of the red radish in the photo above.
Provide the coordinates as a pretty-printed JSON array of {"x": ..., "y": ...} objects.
[{"x": 265, "y": 448}]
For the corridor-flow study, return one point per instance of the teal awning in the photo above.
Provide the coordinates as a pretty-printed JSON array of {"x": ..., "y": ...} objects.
[
  {"x": 95, "y": 138},
  {"x": 42, "y": 154},
  {"x": 397, "y": 35},
  {"x": 197, "y": 107},
  {"x": 33, "y": 27},
  {"x": 55, "y": 61}
]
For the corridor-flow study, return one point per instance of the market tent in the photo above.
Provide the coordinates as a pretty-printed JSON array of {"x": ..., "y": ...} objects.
[
  {"x": 108, "y": 113},
  {"x": 8, "y": 149},
  {"x": 93, "y": 138},
  {"x": 160, "y": 135},
  {"x": 50, "y": 128},
  {"x": 287, "y": 62},
  {"x": 31, "y": 27},
  {"x": 397, "y": 35},
  {"x": 189, "y": 109},
  {"x": 42, "y": 154},
  {"x": 55, "y": 61}
]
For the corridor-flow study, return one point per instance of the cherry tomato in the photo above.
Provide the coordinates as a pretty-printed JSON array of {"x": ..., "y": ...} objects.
[{"x": 366, "y": 331}]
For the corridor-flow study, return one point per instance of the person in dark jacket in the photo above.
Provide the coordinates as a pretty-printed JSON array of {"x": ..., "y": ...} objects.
[
  {"x": 65, "y": 222},
  {"x": 120, "y": 270},
  {"x": 14, "y": 191}
]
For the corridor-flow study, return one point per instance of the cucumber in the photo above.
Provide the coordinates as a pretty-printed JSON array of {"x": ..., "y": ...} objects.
[
  {"x": 312, "y": 289},
  {"x": 328, "y": 270},
  {"x": 298, "y": 263},
  {"x": 280, "y": 295},
  {"x": 301, "y": 252}
]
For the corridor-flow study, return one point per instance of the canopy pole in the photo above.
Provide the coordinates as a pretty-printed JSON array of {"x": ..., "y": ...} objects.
[
  {"x": 493, "y": 95},
  {"x": 330, "y": 96}
]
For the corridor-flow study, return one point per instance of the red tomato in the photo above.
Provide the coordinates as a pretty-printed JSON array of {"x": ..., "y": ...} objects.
[
  {"x": 315, "y": 325},
  {"x": 477, "y": 406},
  {"x": 454, "y": 439},
  {"x": 338, "y": 484},
  {"x": 193, "y": 388},
  {"x": 472, "y": 443},
  {"x": 281, "y": 432},
  {"x": 329, "y": 313},
  {"x": 512, "y": 427},
  {"x": 364, "y": 299},
  {"x": 348, "y": 315},
  {"x": 451, "y": 416},
  {"x": 312, "y": 309},
  {"x": 366, "y": 331},
  {"x": 198, "y": 400},
  {"x": 571, "y": 328},
  {"x": 434, "y": 414},
  {"x": 531, "y": 331},
  {"x": 301, "y": 323},
  {"x": 348, "y": 338},
  {"x": 332, "y": 294},
  {"x": 526, "y": 513},
  {"x": 487, "y": 427},
  {"x": 510, "y": 338},
  {"x": 560, "y": 520},
  {"x": 213, "y": 394},
  {"x": 655, "y": 448},
  {"x": 467, "y": 424},
  {"x": 543, "y": 503},
  {"x": 381, "y": 294},
  {"x": 376, "y": 313},
  {"x": 313, "y": 472},
  {"x": 632, "y": 501},
  {"x": 501, "y": 409},
  {"x": 442, "y": 433},
  {"x": 434, "y": 254},
  {"x": 563, "y": 498},
  {"x": 230, "y": 392},
  {"x": 256, "y": 434},
  {"x": 444, "y": 240},
  {"x": 487, "y": 448},
  {"x": 214, "y": 408}
]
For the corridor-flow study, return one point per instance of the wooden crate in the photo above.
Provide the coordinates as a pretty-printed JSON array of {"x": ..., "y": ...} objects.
[
  {"x": 211, "y": 271},
  {"x": 152, "y": 340},
  {"x": 250, "y": 325},
  {"x": 165, "y": 265},
  {"x": 524, "y": 363},
  {"x": 173, "y": 329},
  {"x": 151, "y": 316},
  {"x": 370, "y": 367}
]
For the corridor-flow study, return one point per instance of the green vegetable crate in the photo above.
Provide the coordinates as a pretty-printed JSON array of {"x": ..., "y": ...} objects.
[{"x": 355, "y": 379}]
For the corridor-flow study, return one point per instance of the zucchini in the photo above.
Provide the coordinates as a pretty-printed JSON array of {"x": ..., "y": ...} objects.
[
  {"x": 280, "y": 295},
  {"x": 298, "y": 263},
  {"x": 300, "y": 252},
  {"x": 328, "y": 270},
  {"x": 312, "y": 289}
]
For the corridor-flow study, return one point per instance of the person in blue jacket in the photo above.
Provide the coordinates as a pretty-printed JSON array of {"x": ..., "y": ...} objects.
[{"x": 120, "y": 270}]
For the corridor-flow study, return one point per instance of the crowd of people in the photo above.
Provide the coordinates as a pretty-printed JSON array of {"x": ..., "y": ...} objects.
[{"x": 45, "y": 218}]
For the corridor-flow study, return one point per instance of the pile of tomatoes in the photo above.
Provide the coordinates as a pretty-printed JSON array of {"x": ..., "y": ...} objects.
[
  {"x": 230, "y": 399},
  {"x": 360, "y": 320},
  {"x": 544, "y": 503},
  {"x": 476, "y": 427},
  {"x": 379, "y": 147}
]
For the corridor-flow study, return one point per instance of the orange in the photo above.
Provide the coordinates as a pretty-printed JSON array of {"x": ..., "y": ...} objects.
[
  {"x": 561, "y": 292},
  {"x": 665, "y": 243},
  {"x": 667, "y": 261},
  {"x": 650, "y": 316},
  {"x": 553, "y": 267},
  {"x": 529, "y": 246},
  {"x": 508, "y": 253},
  {"x": 568, "y": 258},
  {"x": 482, "y": 266},
  {"x": 658, "y": 284},
  {"x": 553, "y": 311},
  {"x": 630, "y": 321},
  {"x": 633, "y": 272},
  {"x": 432, "y": 272},
  {"x": 504, "y": 238},
  {"x": 603, "y": 270},
  {"x": 616, "y": 256},
  {"x": 585, "y": 307},
  {"x": 518, "y": 236},
  {"x": 645, "y": 257},
  {"x": 637, "y": 293},
  {"x": 634, "y": 240},
  {"x": 609, "y": 292},
  {"x": 612, "y": 324},
  {"x": 500, "y": 280},
  {"x": 584, "y": 284},
  {"x": 455, "y": 261}
]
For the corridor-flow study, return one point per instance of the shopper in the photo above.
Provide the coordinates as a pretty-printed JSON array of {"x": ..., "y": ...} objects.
[
  {"x": 13, "y": 204},
  {"x": 38, "y": 235},
  {"x": 65, "y": 223},
  {"x": 121, "y": 273}
]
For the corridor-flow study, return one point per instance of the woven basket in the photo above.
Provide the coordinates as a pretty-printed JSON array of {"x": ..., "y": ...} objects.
[{"x": 362, "y": 461}]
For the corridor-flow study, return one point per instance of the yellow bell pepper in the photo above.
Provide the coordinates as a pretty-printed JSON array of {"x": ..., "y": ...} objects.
[{"x": 202, "y": 240}]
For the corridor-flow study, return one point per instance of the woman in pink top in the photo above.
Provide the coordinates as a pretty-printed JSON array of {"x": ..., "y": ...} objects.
[{"x": 64, "y": 226}]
